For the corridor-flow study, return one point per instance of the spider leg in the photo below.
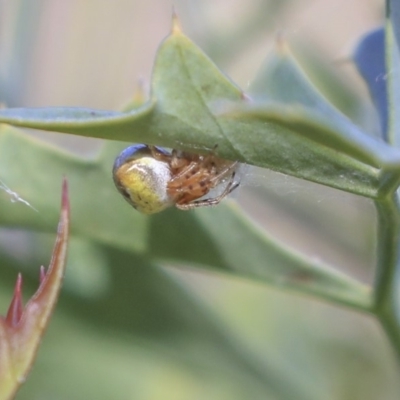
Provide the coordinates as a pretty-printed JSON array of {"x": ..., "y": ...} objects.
[
  {"x": 232, "y": 185},
  {"x": 178, "y": 160},
  {"x": 186, "y": 173},
  {"x": 196, "y": 164},
  {"x": 186, "y": 190},
  {"x": 158, "y": 155},
  {"x": 228, "y": 169}
]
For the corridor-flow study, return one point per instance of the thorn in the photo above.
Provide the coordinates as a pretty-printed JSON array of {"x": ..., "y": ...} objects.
[
  {"x": 16, "y": 308},
  {"x": 176, "y": 25},
  {"x": 139, "y": 95},
  {"x": 281, "y": 44},
  {"x": 42, "y": 275},
  {"x": 64, "y": 196}
]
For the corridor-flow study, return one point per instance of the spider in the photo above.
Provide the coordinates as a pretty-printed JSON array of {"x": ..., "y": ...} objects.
[{"x": 152, "y": 179}]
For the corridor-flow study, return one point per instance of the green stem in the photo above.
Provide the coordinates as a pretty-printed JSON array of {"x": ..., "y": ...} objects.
[{"x": 388, "y": 269}]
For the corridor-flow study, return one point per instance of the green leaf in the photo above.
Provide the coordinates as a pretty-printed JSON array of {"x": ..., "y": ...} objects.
[
  {"x": 149, "y": 311},
  {"x": 298, "y": 142},
  {"x": 188, "y": 238},
  {"x": 300, "y": 134},
  {"x": 185, "y": 82},
  {"x": 244, "y": 250},
  {"x": 305, "y": 137},
  {"x": 186, "y": 86},
  {"x": 90, "y": 187},
  {"x": 83, "y": 121}
]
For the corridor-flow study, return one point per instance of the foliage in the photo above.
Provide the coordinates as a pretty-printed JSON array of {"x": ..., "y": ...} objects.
[{"x": 284, "y": 124}]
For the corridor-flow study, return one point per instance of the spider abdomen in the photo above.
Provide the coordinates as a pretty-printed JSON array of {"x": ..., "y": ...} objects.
[{"x": 143, "y": 180}]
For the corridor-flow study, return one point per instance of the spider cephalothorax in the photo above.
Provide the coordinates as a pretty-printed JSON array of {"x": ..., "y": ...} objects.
[{"x": 152, "y": 179}]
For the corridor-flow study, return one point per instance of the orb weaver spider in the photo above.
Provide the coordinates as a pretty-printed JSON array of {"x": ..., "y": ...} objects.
[{"x": 152, "y": 179}]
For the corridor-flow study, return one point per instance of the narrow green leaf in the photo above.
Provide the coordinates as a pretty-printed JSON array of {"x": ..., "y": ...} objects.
[
  {"x": 299, "y": 133},
  {"x": 185, "y": 82},
  {"x": 235, "y": 245},
  {"x": 101, "y": 214},
  {"x": 145, "y": 308},
  {"x": 281, "y": 80},
  {"x": 110, "y": 125},
  {"x": 298, "y": 142},
  {"x": 388, "y": 266},
  {"x": 386, "y": 293},
  {"x": 91, "y": 191},
  {"x": 187, "y": 86}
]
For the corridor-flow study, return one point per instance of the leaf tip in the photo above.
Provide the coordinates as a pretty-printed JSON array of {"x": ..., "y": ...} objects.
[
  {"x": 16, "y": 308},
  {"x": 281, "y": 44},
  {"x": 139, "y": 96},
  {"x": 50, "y": 278},
  {"x": 176, "y": 24},
  {"x": 64, "y": 196},
  {"x": 42, "y": 274}
]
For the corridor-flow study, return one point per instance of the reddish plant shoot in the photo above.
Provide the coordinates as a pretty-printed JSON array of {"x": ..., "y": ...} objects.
[{"x": 23, "y": 327}]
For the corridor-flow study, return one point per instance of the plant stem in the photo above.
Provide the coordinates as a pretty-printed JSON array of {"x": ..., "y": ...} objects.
[{"x": 388, "y": 269}]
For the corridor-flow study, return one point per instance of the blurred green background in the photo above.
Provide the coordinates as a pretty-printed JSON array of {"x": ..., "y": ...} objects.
[{"x": 130, "y": 327}]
